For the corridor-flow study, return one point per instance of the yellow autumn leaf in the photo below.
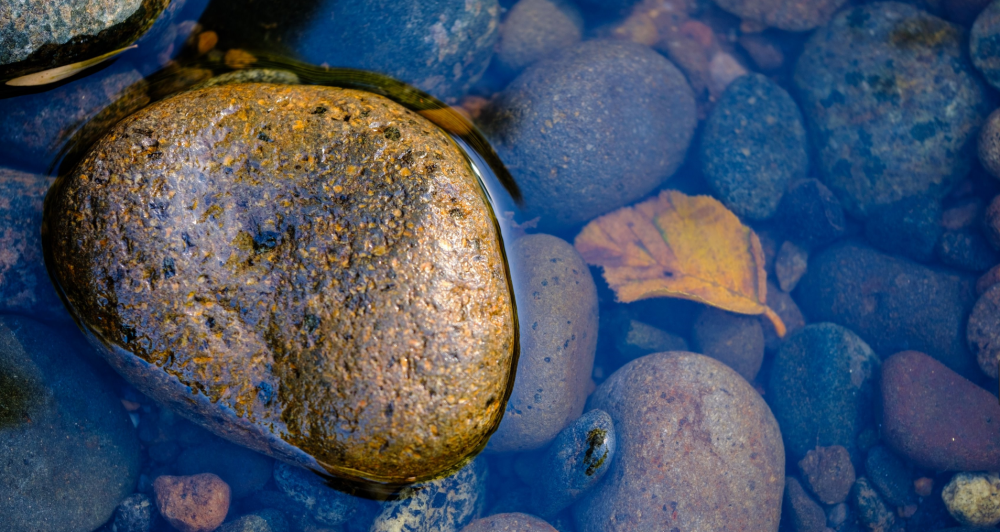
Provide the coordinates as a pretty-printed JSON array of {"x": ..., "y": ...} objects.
[{"x": 674, "y": 245}]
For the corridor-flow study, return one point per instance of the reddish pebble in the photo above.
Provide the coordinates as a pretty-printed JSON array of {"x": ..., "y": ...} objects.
[
  {"x": 937, "y": 418},
  {"x": 512, "y": 522},
  {"x": 197, "y": 503},
  {"x": 699, "y": 33},
  {"x": 923, "y": 486}
]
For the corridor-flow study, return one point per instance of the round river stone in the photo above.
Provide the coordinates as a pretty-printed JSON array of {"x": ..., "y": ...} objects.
[{"x": 311, "y": 272}]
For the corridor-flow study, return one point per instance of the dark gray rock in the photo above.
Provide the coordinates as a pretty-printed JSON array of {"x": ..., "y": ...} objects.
[
  {"x": 892, "y": 104},
  {"x": 68, "y": 451},
  {"x": 754, "y": 144},
  {"x": 890, "y": 475},
  {"x": 439, "y": 46},
  {"x": 534, "y": 29},
  {"x": 38, "y": 36},
  {"x": 810, "y": 215},
  {"x": 244, "y": 470},
  {"x": 324, "y": 504},
  {"x": 575, "y": 462},
  {"x": 872, "y": 510},
  {"x": 578, "y": 143},
  {"x": 790, "y": 15},
  {"x": 891, "y": 303},
  {"x": 984, "y": 43},
  {"x": 822, "y": 388},
  {"x": 910, "y": 227},
  {"x": 263, "y": 521},
  {"x": 966, "y": 250},
  {"x": 785, "y": 307},
  {"x": 135, "y": 513},
  {"x": 736, "y": 340},
  {"x": 443, "y": 505},
  {"x": 805, "y": 514},
  {"x": 558, "y": 316}
]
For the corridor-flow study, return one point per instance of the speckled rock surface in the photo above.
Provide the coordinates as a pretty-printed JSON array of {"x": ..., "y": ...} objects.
[
  {"x": 829, "y": 473},
  {"x": 973, "y": 499},
  {"x": 24, "y": 285},
  {"x": 791, "y": 15},
  {"x": 41, "y": 35},
  {"x": 983, "y": 331},
  {"x": 989, "y": 142},
  {"x": 510, "y": 522},
  {"x": 557, "y": 314},
  {"x": 984, "y": 43},
  {"x": 443, "y": 505},
  {"x": 322, "y": 503},
  {"x": 892, "y": 104},
  {"x": 576, "y": 144},
  {"x": 698, "y": 449},
  {"x": 68, "y": 452},
  {"x": 196, "y": 503},
  {"x": 754, "y": 144},
  {"x": 288, "y": 230},
  {"x": 534, "y": 29}
]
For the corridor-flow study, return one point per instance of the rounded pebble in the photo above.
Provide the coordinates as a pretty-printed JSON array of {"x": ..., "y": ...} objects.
[
  {"x": 789, "y": 15},
  {"x": 983, "y": 331},
  {"x": 510, "y": 522},
  {"x": 984, "y": 39},
  {"x": 534, "y": 29},
  {"x": 806, "y": 514},
  {"x": 735, "y": 340},
  {"x": 197, "y": 503},
  {"x": 810, "y": 215},
  {"x": 989, "y": 144},
  {"x": 829, "y": 473},
  {"x": 973, "y": 499}
]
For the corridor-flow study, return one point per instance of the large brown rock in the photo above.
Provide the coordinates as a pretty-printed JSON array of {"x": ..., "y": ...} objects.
[
  {"x": 937, "y": 418},
  {"x": 309, "y": 271},
  {"x": 698, "y": 449}
]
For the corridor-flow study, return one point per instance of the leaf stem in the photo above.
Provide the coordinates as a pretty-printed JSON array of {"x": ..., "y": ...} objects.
[{"x": 779, "y": 326}]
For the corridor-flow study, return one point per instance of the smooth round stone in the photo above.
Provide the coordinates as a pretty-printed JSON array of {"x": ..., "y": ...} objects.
[
  {"x": 311, "y": 272},
  {"x": 806, "y": 514},
  {"x": 68, "y": 451},
  {"x": 973, "y": 499},
  {"x": 578, "y": 143},
  {"x": 534, "y": 29},
  {"x": 753, "y": 145},
  {"x": 509, "y": 522},
  {"x": 698, "y": 449},
  {"x": 558, "y": 317},
  {"x": 892, "y": 104},
  {"x": 822, "y": 388},
  {"x": 790, "y": 15},
  {"x": 983, "y": 331},
  {"x": 735, "y": 340},
  {"x": 893, "y": 477},
  {"x": 197, "y": 503},
  {"x": 38, "y": 36}
]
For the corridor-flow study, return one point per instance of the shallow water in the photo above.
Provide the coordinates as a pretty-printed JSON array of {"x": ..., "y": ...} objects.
[{"x": 871, "y": 221}]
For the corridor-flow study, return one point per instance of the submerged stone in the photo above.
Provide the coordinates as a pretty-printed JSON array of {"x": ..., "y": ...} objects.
[{"x": 311, "y": 272}]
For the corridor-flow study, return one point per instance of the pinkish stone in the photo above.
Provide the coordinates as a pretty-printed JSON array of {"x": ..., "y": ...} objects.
[
  {"x": 197, "y": 503},
  {"x": 936, "y": 417}
]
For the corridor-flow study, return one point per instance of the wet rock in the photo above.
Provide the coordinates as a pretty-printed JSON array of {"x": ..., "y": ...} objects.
[
  {"x": 790, "y": 265},
  {"x": 557, "y": 313},
  {"x": 935, "y": 417},
  {"x": 575, "y": 462},
  {"x": 40, "y": 36},
  {"x": 872, "y": 510},
  {"x": 991, "y": 222},
  {"x": 966, "y": 250},
  {"x": 790, "y": 15},
  {"x": 875, "y": 85},
  {"x": 245, "y": 471},
  {"x": 134, "y": 514},
  {"x": 804, "y": 513},
  {"x": 735, "y": 340},
  {"x": 890, "y": 475},
  {"x": 784, "y": 306},
  {"x": 983, "y": 331},
  {"x": 989, "y": 144},
  {"x": 987, "y": 280},
  {"x": 316, "y": 265},
  {"x": 822, "y": 388},
  {"x": 439, "y": 46},
  {"x": 576, "y": 145},
  {"x": 534, "y": 29},
  {"x": 24, "y": 284},
  {"x": 909, "y": 227},
  {"x": 324, "y": 504},
  {"x": 753, "y": 145},
  {"x": 443, "y": 505},
  {"x": 68, "y": 452},
  {"x": 262, "y": 521},
  {"x": 36, "y": 129},
  {"x": 634, "y": 339},
  {"x": 718, "y": 454},
  {"x": 829, "y": 473},
  {"x": 810, "y": 215},
  {"x": 251, "y": 75},
  {"x": 836, "y": 515},
  {"x": 973, "y": 499},
  {"x": 197, "y": 503},
  {"x": 983, "y": 40},
  {"x": 890, "y": 302},
  {"x": 510, "y": 522}
]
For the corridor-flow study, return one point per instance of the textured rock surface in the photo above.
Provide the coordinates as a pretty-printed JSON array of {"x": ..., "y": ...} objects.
[
  {"x": 989, "y": 143},
  {"x": 557, "y": 314},
  {"x": 534, "y": 29},
  {"x": 872, "y": 510},
  {"x": 810, "y": 214},
  {"x": 984, "y": 43},
  {"x": 443, "y": 505},
  {"x": 196, "y": 503},
  {"x": 322, "y": 503},
  {"x": 936, "y": 418},
  {"x": 698, "y": 449},
  {"x": 890, "y": 302},
  {"x": 875, "y": 85},
  {"x": 136, "y": 513},
  {"x": 41, "y": 35},
  {"x": 829, "y": 473},
  {"x": 983, "y": 331},
  {"x": 511, "y": 522},
  {"x": 289, "y": 230},
  {"x": 909, "y": 227},
  {"x": 68, "y": 452},
  {"x": 973, "y": 499},
  {"x": 791, "y": 15},
  {"x": 805, "y": 514},
  {"x": 576, "y": 144}
]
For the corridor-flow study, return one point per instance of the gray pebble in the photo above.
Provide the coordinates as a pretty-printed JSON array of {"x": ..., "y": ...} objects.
[{"x": 324, "y": 504}]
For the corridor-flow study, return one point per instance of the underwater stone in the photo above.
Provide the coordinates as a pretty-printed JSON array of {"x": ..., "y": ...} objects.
[
  {"x": 790, "y": 15},
  {"x": 534, "y": 29},
  {"x": 311, "y": 272},
  {"x": 443, "y": 505},
  {"x": 321, "y": 502},
  {"x": 509, "y": 522},
  {"x": 984, "y": 43}
]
